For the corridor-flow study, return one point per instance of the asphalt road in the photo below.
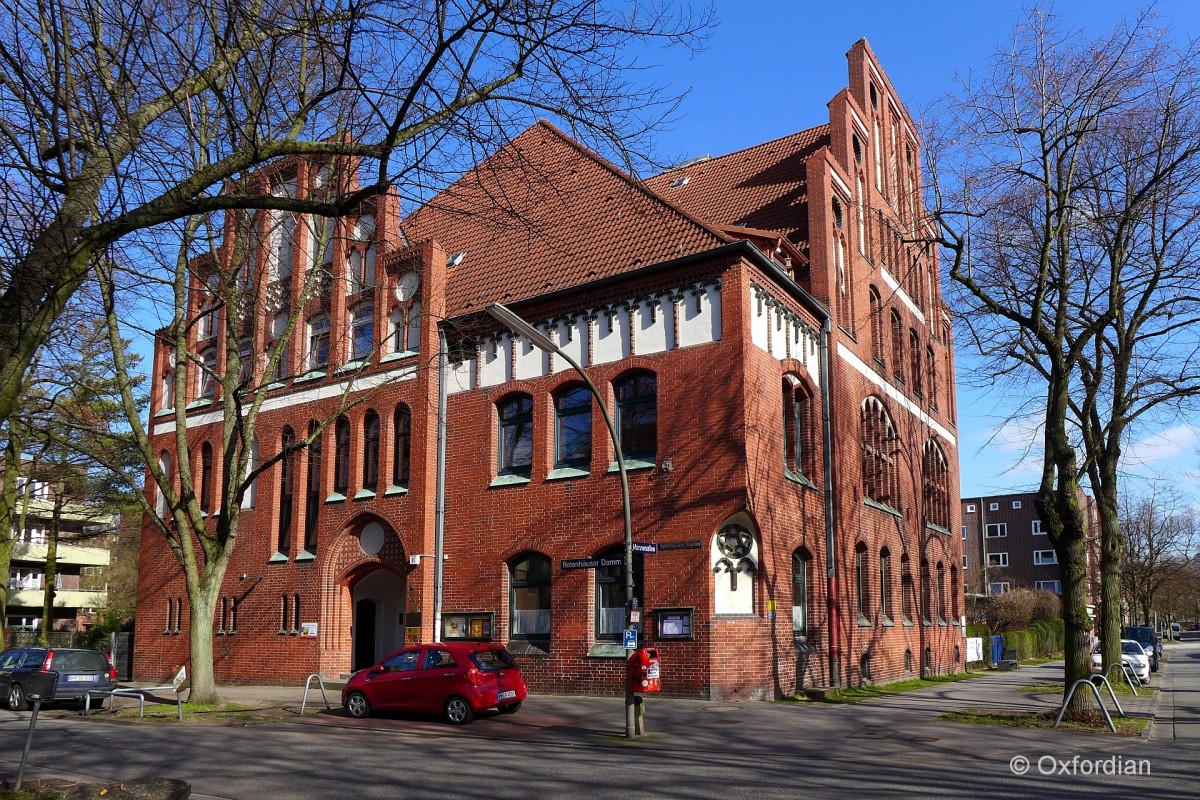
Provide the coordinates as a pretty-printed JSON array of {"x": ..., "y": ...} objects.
[{"x": 888, "y": 748}]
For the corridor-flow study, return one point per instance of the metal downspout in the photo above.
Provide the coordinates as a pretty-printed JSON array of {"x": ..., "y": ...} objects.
[
  {"x": 439, "y": 512},
  {"x": 830, "y": 528}
]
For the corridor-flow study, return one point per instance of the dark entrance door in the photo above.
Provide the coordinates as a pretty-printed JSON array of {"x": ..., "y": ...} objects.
[{"x": 364, "y": 634}]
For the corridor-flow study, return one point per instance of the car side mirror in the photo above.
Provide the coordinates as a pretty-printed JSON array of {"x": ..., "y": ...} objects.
[{"x": 378, "y": 669}]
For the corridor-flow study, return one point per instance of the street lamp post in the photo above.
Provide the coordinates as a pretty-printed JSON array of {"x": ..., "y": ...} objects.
[{"x": 542, "y": 342}]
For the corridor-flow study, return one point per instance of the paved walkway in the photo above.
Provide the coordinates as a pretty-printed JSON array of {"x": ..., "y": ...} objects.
[{"x": 904, "y": 726}]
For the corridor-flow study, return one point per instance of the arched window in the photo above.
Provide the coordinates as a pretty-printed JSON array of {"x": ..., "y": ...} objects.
[
  {"x": 341, "y": 455},
  {"x": 897, "y": 346},
  {"x": 206, "y": 477},
  {"x": 953, "y": 589},
  {"x": 283, "y": 367},
  {"x": 370, "y": 455},
  {"x": 906, "y": 590},
  {"x": 405, "y": 327},
  {"x": 637, "y": 415},
  {"x": 164, "y": 464},
  {"x": 362, "y": 332},
  {"x": 206, "y": 373},
  {"x": 312, "y": 488},
  {"x": 573, "y": 427},
  {"x": 935, "y": 476},
  {"x": 168, "y": 390},
  {"x": 926, "y": 594},
  {"x": 529, "y": 599},
  {"x": 250, "y": 496},
  {"x": 885, "y": 584},
  {"x": 877, "y": 344},
  {"x": 516, "y": 435},
  {"x": 931, "y": 377},
  {"x": 880, "y": 474},
  {"x": 845, "y": 300},
  {"x": 916, "y": 373},
  {"x": 862, "y": 208},
  {"x": 401, "y": 446},
  {"x": 287, "y": 488},
  {"x": 862, "y": 584},
  {"x": 318, "y": 342},
  {"x": 801, "y": 561},
  {"x": 245, "y": 362},
  {"x": 797, "y": 426},
  {"x": 942, "y": 611},
  {"x": 611, "y": 598}
]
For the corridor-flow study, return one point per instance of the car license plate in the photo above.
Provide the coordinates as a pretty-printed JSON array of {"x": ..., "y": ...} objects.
[
  {"x": 509, "y": 695},
  {"x": 80, "y": 679}
]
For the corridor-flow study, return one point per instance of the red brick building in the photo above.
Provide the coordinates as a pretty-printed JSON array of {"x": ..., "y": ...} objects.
[{"x": 777, "y": 356}]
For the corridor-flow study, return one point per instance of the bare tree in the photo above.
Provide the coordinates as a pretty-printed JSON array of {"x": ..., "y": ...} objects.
[
  {"x": 1035, "y": 164},
  {"x": 1161, "y": 535},
  {"x": 119, "y": 118}
]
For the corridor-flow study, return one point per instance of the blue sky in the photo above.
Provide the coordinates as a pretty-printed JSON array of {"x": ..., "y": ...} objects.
[{"x": 772, "y": 65}]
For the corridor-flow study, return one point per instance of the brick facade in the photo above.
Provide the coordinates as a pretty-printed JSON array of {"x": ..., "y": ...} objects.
[{"x": 731, "y": 296}]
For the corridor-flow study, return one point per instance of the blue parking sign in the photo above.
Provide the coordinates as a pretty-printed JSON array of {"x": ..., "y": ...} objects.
[{"x": 630, "y": 639}]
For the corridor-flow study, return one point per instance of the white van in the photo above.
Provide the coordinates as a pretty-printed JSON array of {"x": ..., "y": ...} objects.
[{"x": 1176, "y": 631}]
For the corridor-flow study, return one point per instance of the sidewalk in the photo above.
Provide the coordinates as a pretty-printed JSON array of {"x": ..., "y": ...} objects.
[{"x": 898, "y": 726}]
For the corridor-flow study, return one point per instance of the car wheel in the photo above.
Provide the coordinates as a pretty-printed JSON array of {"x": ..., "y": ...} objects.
[
  {"x": 458, "y": 711},
  {"x": 358, "y": 705},
  {"x": 16, "y": 698},
  {"x": 511, "y": 708}
]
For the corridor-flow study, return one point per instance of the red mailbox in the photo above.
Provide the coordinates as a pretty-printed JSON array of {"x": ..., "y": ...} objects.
[{"x": 644, "y": 671}]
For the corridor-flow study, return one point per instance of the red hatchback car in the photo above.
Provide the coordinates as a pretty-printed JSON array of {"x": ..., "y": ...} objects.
[{"x": 455, "y": 680}]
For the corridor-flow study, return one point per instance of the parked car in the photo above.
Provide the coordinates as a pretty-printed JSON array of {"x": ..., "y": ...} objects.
[
  {"x": 1145, "y": 636},
  {"x": 1132, "y": 654},
  {"x": 455, "y": 680},
  {"x": 79, "y": 671},
  {"x": 1176, "y": 631}
]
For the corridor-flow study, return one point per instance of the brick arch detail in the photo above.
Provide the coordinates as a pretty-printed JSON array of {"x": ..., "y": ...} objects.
[{"x": 343, "y": 563}]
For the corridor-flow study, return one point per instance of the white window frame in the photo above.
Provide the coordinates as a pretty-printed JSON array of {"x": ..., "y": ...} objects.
[
  {"x": 997, "y": 560},
  {"x": 1037, "y": 528},
  {"x": 1049, "y": 586},
  {"x": 998, "y": 587},
  {"x": 1016, "y": 504},
  {"x": 993, "y": 506},
  {"x": 1040, "y": 557},
  {"x": 965, "y": 564},
  {"x": 970, "y": 508},
  {"x": 1001, "y": 529}
]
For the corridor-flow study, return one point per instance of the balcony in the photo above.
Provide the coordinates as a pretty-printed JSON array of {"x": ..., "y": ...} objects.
[
  {"x": 64, "y": 598},
  {"x": 67, "y": 554}
]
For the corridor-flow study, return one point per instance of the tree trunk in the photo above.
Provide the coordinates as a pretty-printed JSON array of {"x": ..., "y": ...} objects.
[
  {"x": 1112, "y": 545},
  {"x": 203, "y": 599},
  {"x": 1058, "y": 505}
]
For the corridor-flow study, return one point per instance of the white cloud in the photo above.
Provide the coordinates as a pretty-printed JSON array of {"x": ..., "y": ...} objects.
[{"x": 1162, "y": 446}]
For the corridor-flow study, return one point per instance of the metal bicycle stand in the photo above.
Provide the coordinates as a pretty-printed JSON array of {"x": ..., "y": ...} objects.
[
  {"x": 320, "y": 684},
  {"x": 1088, "y": 682},
  {"x": 1127, "y": 672}
]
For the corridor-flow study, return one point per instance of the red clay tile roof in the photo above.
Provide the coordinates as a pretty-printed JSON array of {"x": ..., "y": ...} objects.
[
  {"x": 545, "y": 214},
  {"x": 761, "y": 187}
]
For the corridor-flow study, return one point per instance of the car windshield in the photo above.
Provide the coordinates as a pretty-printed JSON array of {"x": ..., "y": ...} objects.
[
  {"x": 492, "y": 660},
  {"x": 1131, "y": 648}
]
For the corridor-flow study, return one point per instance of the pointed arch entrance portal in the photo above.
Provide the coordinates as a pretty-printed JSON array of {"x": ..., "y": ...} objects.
[{"x": 367, "y": 572}]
